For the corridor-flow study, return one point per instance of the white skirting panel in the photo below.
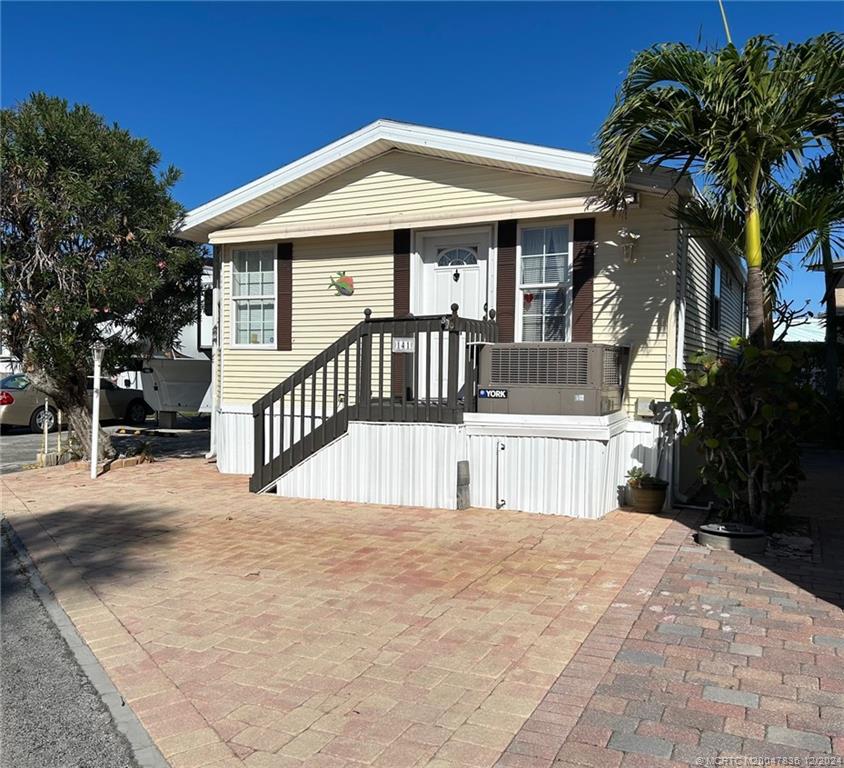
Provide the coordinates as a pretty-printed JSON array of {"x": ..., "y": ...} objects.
[
  {"x": 416, "y": 464},
  {"x": 538, "y": 474},
  {"x": 234, "y": 440},
  {"x": 635, "y": 447},
  {"x": 235, "y": 451},
  {"x": 374, "y": 463},
  {"x": 580, "y": 473}
]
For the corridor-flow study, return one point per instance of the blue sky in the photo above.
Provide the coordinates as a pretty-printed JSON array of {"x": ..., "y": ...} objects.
[{"x": 229, "y": 91}]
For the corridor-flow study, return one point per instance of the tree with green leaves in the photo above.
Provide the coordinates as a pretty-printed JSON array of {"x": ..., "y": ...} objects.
[
  {"x": 746, "y": 415},
  {"x": 740, "y": 121},
  {"x": 90, "y": 254}
]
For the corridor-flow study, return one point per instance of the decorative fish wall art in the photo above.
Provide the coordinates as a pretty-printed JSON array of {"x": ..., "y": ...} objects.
[{"x": 342, "y": 284}]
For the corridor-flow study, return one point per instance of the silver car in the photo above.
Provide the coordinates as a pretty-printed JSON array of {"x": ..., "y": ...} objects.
[{"x": 22, "y": 405}]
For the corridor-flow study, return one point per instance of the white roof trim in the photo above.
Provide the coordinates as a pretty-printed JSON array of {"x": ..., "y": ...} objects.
[{"x": 392, "y": 135}]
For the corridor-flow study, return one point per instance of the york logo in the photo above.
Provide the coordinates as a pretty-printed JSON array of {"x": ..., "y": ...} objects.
[{"x": 497, "y": 394}]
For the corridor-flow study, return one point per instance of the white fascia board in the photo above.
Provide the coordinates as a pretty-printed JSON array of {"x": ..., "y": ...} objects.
[
  {"x": 291, "y": 172},
  {"x": 501, "y": 150},
  {"x": 391, "y": 134}
]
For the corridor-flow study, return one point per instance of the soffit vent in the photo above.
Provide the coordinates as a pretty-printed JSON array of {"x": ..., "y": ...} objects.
[{"x": 540, "y": 364}]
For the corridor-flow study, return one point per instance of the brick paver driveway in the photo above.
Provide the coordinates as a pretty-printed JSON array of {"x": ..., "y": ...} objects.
[
  {"x": 726, "y": 661},
  {"x": 259, "y": 631}
]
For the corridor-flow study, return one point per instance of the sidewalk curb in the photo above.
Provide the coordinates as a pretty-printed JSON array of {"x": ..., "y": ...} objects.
[{"x": 144, "y": 750}]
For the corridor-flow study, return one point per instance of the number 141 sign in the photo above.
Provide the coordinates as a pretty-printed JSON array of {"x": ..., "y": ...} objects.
[{"x": 403, "y": 345}]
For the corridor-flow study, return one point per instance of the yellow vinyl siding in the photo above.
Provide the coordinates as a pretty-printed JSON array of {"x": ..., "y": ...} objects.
[
  {"x": 698, "y": 335},
  {"x": 402, "y": 183},
  {"x": 634, "y": 301},
  {"x": 320, "y": 317}
]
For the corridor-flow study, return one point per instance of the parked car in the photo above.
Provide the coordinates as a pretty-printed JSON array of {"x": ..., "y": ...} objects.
[{"x": 22, "y": 405}]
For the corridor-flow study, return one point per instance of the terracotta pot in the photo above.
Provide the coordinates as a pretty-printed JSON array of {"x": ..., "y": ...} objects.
[{"x": 648, "y": 500}]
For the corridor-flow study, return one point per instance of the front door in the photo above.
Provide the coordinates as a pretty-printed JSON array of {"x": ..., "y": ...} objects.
[{"x": 453, "y": 270}]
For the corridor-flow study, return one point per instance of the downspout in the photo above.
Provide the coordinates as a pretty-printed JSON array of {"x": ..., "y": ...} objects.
[
  {"x": 831, "y": 326},
  {"x": 679, "y": 352},
  {"x": 215, "y": 352}
]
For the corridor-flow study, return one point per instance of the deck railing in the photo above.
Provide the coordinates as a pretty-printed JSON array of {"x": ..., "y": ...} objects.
[{"x": 411, "y": 369}]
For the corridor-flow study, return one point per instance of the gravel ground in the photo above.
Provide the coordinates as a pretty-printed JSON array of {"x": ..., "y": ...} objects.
[{"x": 51, "y": 715}]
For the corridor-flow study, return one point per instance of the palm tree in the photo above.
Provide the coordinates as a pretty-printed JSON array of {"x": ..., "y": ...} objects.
[
  {"x": 739, "y": 121},
  {"x": 806, "y": 219}
]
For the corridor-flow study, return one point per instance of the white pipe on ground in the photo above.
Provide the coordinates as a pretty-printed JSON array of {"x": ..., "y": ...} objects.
[{"x": 45, "y": 422}]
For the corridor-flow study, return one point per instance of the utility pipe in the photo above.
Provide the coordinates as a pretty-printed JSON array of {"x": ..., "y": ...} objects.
[{"x": 98, "y": 351}]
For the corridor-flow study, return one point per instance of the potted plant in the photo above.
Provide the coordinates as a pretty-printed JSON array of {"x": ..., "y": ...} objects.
[{"x": 647, "y": 492}]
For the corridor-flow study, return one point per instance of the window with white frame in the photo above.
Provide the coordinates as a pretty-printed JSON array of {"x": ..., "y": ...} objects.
[
  {"x": 254, "y": 296},
  {"x": 544, "y": 283},
  {"x": 715, "y": 287}
]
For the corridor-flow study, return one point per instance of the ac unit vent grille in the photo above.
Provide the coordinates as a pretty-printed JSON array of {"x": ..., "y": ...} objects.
[
  {"x": 612, "y": 367},
  {"x": 539, "y": 365}
]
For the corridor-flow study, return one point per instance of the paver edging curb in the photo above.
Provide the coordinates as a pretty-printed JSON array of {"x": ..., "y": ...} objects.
[{"x": 142, "y": 746}]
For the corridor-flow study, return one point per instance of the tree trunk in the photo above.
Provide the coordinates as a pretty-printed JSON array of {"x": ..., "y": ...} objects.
[
  {"x": 755, "y": 515},
  {"x": 755, "y": 279},
  {"x": 79, "y": 420},
  {"x": 756, "y": 307},
  {"x": 831, "y": 332},
  {"x": 769, "y": 321},
  {"x": 70, "y": 397}
]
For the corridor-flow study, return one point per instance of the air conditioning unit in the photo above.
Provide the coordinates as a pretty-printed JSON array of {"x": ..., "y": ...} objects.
[{"x": 549, "y": 378}]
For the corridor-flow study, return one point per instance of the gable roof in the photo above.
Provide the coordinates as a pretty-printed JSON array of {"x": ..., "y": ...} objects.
[{"x": 380, "y": 137}]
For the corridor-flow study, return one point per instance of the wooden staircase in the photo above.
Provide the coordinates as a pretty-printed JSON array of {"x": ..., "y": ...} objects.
[{"x": 360, "y": 378}]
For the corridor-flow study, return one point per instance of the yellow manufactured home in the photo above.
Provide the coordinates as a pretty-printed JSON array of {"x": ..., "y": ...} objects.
[{"x": 364, "y": 291}]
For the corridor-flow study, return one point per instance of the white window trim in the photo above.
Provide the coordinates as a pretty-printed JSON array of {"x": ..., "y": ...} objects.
[
  {"x": 569, "y": 291},
  {"x": 233, "y": 301},
  {"x": 716, "y": 272}
]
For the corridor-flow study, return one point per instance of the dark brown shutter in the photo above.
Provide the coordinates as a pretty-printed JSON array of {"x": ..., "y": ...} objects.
[
  {"x": 217, "y": 265},
  {"x": 401, "y": 297},
  {"x": 505, "y": 298},
  {"x": 401, "y": 272},
  {"x": 284, "y": 298},
  {"x": 583, "y": 275}
]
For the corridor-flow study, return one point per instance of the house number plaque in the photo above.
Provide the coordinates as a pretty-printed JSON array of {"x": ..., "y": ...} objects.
[{"x": 403, "y": 345}]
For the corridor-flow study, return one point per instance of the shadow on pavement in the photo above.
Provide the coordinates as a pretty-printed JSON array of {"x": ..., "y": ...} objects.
[
  {"x": 819, "y": 504},
  {"x": 109, "y": 544}
]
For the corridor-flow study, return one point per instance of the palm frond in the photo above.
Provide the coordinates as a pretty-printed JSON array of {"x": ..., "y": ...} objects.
[{"x": 733, "y": 116}]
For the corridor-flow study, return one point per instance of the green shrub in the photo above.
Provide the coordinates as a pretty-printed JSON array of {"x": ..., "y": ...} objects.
[{"x": 747, "y": 417}]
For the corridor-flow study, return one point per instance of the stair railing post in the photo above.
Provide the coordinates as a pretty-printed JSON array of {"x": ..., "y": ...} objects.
[
  {"x": 365, "y": 368},
  {"x": 407, "y": 373},
  {"x": 257, "y": 481},
  {"x": 453, "y": 359}
]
